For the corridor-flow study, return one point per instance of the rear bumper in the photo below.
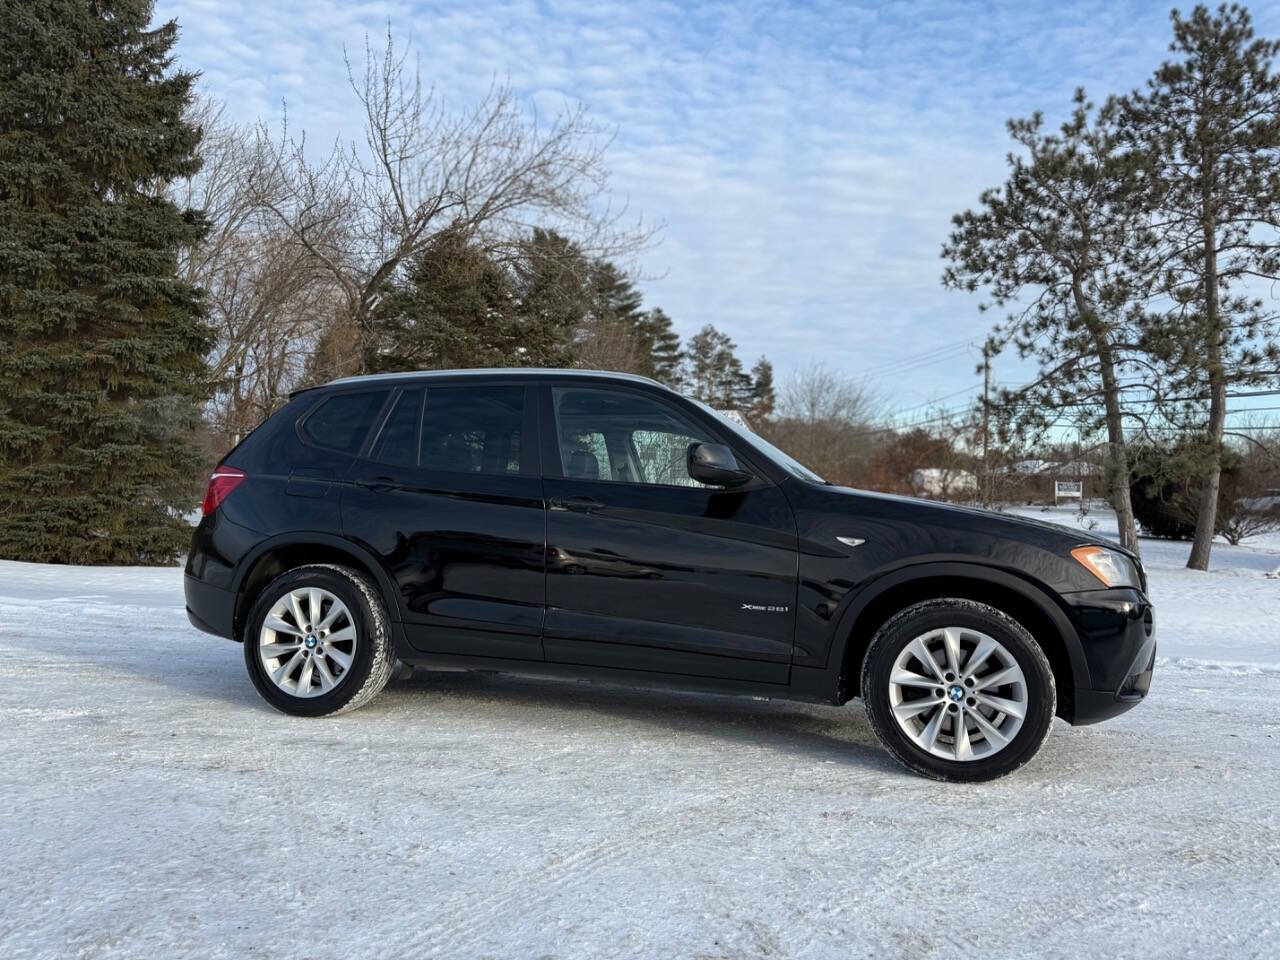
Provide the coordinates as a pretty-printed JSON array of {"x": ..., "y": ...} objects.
[
  {"x": 209, "y": 608},
  {"x": 1117, "y": 633}
]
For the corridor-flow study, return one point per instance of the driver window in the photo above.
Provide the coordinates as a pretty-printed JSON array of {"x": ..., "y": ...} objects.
[{"x": 624, "y": 437}]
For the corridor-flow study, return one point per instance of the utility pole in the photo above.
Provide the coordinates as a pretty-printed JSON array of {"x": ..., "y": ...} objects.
[{"x": 986, "y": 423}]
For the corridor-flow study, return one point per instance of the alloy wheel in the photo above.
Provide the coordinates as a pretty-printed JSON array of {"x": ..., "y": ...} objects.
[
  {"x": 958, "y": 693},
  {"x": 308, "y": 642}
]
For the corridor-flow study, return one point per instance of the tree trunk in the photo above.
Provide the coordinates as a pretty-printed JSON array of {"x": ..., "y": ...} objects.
[
  {"x": 1117, "y": 451},
  {"x": 1118, "y": 455},
  {"x": 1207, "y": 514}
]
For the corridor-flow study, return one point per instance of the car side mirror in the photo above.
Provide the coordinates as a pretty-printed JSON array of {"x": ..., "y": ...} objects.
[{"x": 714, "y": 463}]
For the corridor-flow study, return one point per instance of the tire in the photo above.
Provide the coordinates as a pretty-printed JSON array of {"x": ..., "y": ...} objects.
[
  {"x": 901, "y": 706},
  {"x": 356, "y": 670}
]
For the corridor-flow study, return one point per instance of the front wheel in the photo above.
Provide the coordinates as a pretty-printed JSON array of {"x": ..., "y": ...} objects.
[
  {"x": 318, "y": 641},
  {"x": 958, "y": 690}
]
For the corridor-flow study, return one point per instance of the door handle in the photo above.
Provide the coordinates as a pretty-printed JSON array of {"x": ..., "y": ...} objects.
[
  {"x": 376, "y": 484},
  {"x": 574, "y": 503}
]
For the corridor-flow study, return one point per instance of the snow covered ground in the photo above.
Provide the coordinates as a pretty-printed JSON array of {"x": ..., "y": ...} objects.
[{"x": 155, "y": 807}]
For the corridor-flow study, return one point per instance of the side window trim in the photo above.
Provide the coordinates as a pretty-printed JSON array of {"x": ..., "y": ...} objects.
[
  {"x": 551, "y": 455},
  {"x": 366, "y": 450},
  {"x": 531, "y": 458}
]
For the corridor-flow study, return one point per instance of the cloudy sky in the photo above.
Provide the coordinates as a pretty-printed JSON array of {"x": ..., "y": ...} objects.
[{"x": 805, "y": 159}]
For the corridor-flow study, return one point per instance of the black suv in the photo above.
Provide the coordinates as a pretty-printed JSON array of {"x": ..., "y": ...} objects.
[{"x": 601, "y": 525}]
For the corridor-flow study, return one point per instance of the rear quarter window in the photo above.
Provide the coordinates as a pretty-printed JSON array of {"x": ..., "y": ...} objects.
[{"x": 342, "y": 421}]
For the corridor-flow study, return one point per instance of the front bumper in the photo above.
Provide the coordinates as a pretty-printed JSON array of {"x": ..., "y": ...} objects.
[
  {"x": 1117, "y": 634},
  {"x": 209, "y": 608}
]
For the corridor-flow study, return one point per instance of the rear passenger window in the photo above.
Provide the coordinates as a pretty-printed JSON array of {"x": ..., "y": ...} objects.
[
  {"x": 397, "y": 444},
  {"x": 342, "y": 422},
  {"x": 472, "y": 429}
]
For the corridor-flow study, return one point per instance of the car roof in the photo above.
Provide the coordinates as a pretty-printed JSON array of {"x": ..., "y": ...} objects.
[{"x": 517, "y": 373}]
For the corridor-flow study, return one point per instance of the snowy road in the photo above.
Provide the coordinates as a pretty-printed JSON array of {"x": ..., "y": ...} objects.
[{"x": 154, "y": 807}]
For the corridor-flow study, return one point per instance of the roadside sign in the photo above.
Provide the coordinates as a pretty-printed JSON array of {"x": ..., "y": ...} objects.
[{"x": 1067, "y": 490}]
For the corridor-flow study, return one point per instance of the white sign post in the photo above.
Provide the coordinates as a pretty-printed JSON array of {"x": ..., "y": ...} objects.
[{"x": 1067, "y": 490}]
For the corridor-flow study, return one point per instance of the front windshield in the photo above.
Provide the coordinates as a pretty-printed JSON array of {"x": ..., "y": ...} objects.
[{"x": 784, "y": 460}]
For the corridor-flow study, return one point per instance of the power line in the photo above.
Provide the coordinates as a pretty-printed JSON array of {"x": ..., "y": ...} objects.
[
  {"x": 933, "y": 355},
  {"x": 930, "y": 403},
  {"x": 1027, "y": 404}
]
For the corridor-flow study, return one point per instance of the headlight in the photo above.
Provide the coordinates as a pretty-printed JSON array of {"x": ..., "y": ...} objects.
[{"x": 1112, "y": 567}]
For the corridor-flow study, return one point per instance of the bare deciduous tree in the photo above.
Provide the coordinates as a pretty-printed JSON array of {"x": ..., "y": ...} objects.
[
  {"x": 490, "y": 174},
  {"x": 823, "y": 419},
  {"x": 817, "y": 394},
  {"x": 265, "y": 298}
]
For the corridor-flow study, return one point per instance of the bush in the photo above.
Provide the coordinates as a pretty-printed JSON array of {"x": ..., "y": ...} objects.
[{"x": 1164, "y": 488}]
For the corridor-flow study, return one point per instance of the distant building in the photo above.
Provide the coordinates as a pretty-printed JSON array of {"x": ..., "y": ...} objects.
[
  {"x": 1075, "y": 469},
  {"x": 941, "y": 482},
  {"x": 1026, "y": 467},
  {"x": 1052, "y": 468}
]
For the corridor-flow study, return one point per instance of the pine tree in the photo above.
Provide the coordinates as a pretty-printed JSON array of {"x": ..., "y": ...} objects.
[
  {"x": 1063, "y": 240},
  {"x": 101, "y": 345},
  {"x": 453, "y": 310},
  {"x": 661, "y": 344},
  {"x": 615, "y": 296},
  {"x": 608, "y": 338},
  {"x": 712, "y": 372},
  {"x": 1210, "y": 123},
  {"x": 550, "y": 276},
  {"x": 763, "y": 396}
]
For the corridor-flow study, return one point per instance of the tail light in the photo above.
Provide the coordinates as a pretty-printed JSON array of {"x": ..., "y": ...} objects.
[{"x": 223, "y": 481}]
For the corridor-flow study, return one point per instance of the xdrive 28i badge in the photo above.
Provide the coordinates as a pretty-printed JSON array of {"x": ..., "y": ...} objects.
[{"x": 764, "y": 608}]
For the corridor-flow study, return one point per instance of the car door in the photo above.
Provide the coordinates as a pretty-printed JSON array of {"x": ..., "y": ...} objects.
[
  {"x": 447, "y": 494},
  {"x": 647, "y": 569}
]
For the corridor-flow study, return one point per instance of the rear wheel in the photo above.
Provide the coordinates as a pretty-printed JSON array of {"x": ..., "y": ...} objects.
[
  {"x": 318, "y": 641},
  {"x": 958, "y": 690}
]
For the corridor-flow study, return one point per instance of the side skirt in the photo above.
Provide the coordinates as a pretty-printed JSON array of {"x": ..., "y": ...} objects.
[{"x": 615, "y": 675}]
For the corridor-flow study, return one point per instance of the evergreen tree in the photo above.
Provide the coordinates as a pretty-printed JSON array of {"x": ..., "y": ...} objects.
[
  {"x": 1063, "y": 240},
  {"x": 454, "y": 310},
  {"x": 608, "y": 338},
  {"x": 712, "y": 372},
  {"x": 101, "y": 345},
  {"x": 550, "y": 287},
  {"x": 1210, "y": 123},
  {"x": 615, "y": 296},
  {"x": 763, "y": 396},
  {"x": 661, "y": 344}
]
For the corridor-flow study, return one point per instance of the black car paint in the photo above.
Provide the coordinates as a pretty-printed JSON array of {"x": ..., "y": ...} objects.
[
  {"x": 745, "y": 589},
  {"x": 466, "y": 552}
]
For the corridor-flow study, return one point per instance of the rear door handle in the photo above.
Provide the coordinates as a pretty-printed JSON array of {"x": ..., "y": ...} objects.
[
  {"x": 574, "y": 503},
  {"x": 376, "y": 484}
]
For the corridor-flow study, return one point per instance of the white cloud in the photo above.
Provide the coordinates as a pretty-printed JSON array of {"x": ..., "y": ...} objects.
[{"x": 805, "y": 159}]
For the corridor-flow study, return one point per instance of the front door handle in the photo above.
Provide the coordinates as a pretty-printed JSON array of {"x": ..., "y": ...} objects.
[
  {"x": 574, "y": 503},
  {"x": 376, "y": 484}
]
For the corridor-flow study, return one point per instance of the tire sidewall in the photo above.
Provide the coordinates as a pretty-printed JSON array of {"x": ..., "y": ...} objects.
[
  {"x": 931, "y": 615},
  {"x": 366, "y": 625}
]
